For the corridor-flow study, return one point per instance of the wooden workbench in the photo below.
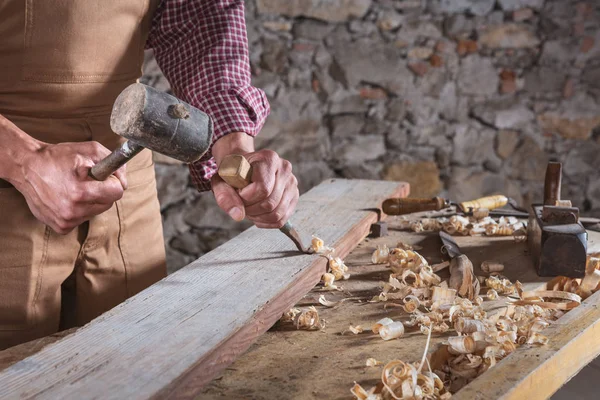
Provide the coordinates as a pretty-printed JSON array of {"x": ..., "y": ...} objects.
[
  {"x": 289, "y": 364},
  {"x": 285, "y": 363}
]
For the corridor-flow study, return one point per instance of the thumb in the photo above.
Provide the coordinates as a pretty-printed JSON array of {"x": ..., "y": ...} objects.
[{"x": 228, "y": 198}]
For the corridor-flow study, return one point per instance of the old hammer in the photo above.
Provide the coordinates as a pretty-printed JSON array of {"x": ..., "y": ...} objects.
[
  {"x": 157, "y": 121},
  {"x": 557, "y": 238},
  {"x": 236, "y": 171}
]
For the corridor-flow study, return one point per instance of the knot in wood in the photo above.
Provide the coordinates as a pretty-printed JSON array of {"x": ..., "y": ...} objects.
[{"x": 179, "y": 111}]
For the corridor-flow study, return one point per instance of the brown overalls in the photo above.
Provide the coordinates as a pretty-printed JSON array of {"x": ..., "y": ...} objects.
[{"x": 62, "y": 64}]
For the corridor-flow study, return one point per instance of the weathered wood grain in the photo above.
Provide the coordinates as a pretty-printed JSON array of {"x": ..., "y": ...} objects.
[{"x": 170, "y": 339}]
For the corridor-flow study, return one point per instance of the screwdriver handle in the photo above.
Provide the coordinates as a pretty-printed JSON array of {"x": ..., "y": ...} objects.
[
  {"x": 489, "y": 202},
  {"x": 398, "y": 206}
]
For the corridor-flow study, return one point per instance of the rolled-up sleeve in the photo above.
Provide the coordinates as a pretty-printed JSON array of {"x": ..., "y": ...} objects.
[{"x": 202, "y": 48}]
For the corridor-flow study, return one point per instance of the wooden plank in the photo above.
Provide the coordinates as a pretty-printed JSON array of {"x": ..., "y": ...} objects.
[
  {"x": 287, "y": 364},
  {"x": 15, "y": 354},
  {"x": 172, "y": 338}
]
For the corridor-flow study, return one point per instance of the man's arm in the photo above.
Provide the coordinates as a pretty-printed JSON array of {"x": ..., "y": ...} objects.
[
  {"x": 201, "y": 47},
  {"x": 54, "y": 179}
]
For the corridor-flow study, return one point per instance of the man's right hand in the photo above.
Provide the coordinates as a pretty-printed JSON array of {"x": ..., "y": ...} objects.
[{"x": 55, "y": 183}]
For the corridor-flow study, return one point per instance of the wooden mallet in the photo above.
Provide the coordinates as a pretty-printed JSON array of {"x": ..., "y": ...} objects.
[
  {"x": 236, "y": 171},
  {"x": 157, "y": 121}
]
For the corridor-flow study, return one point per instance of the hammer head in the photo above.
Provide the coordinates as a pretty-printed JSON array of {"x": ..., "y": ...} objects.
[
  {"x": 557, "y": 239},
  {"x": 161, "y": 122}
]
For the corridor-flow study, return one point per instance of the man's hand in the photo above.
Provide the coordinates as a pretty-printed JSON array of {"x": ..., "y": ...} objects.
[
  {"x": 58, "y": 190},
  {"x": 273, "y": 194}
]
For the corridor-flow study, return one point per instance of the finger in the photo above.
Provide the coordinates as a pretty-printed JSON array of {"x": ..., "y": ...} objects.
[
  {"x": 99, "y": 192},
  {"x": 121, "y": 175},
  {"x": 278, "y": 217},
  {"x": 269, "y": 204},
  {"x": 264, "y": 169},
  {"x": 73, "y": 218},
  {"x": 228, "y": 199}
]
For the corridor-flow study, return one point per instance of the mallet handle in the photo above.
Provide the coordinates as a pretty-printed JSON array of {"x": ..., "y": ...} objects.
[{"x": 115, "y": 160}]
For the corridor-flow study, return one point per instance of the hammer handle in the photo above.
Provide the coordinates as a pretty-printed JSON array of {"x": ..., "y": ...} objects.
[
  {"x": 397, "y": 206},
  {"x": 489, "y": 202},
  {"x": 115, "y": 160}
]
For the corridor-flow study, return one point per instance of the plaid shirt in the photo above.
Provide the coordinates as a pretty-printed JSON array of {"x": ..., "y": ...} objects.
[{"x": 202, "y": 49}]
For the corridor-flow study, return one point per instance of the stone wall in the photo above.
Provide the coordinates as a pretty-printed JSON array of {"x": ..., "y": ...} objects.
[{"x": 458, "y": 97}]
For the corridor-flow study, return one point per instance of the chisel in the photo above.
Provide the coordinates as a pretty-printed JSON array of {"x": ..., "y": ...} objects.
[
  {"x": 398, "y": 206},
  {"x": 236, "y": 171}
]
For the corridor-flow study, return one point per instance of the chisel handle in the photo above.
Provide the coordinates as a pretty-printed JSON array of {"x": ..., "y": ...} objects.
[
  {"x": 398, "y": 206},
  {"x": 489, "y": 202},
  {"x": 115, "y": 160}
]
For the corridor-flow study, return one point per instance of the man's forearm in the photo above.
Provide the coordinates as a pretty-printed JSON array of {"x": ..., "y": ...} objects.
[{"x": 15, "y": 146}]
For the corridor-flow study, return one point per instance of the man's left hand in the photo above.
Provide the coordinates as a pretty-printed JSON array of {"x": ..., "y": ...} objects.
[{"x": 273, "y": 194}]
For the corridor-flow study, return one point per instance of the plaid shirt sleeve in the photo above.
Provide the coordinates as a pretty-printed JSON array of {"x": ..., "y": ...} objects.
[{"x": 202, "y": 48}]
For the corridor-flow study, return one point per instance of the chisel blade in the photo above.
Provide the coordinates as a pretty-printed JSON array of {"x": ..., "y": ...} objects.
[{"x": 449, "y": 246}]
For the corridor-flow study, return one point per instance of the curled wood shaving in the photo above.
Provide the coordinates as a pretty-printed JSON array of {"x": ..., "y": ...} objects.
[
  {"x": 371, "y": 362},
  {"x": 392, "y": 330},
  {"x": 380, "y": 255},
  {"x": 308, "y": 319},
  {"x": 379, "y": 324},
  {"x": 355, "y": 329},
  {"x": 492, "y": 294},
  {"x": 338, "y": 268},
  {"x": 491, "y": 266},
  {"x": 318, "y": 246},
  {"x": 327, "y": 303},
  {"x": 462, "y": 278},
  {"x": 501, "y": 286},
  {"x": 328, "y": 280},
  {"x": 461, "y": 345}
]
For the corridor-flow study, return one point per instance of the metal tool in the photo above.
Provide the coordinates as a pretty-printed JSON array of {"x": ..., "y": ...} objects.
[
  {"x": 556, "y": 236},
  {"x": 157, "y": 121},
  {"x": 401, "y": 206},
  {"x": 237, "y": 172}
]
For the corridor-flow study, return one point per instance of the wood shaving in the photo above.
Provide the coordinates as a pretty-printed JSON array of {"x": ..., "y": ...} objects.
[
  {"x": 356, "y": 329},
  {"x": 371, "y": 362},
  {"x": 381, "y": 323},
  {"x": 491, "y": 266},
  {"x": 327, "y": 303},
  {"x": 308, "y": 319},
  {"x": 462, "y": 278},
  {"x": 328, "y": 279},
  {"x": 380, "y": 255},
  {"x": 478, "y": 224},
  {"x": 390, "y": 331},
  {"x": 318, "y": 246}
]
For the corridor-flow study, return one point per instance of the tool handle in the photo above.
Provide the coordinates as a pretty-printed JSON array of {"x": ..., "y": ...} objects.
[
  {"x": 489, "y": 202},
  {"x": 552, "y": 183},
  {"x": 115, "y": 160},
  {"x": 397, "y": 206},
  {"x": 236, "y": 171}
]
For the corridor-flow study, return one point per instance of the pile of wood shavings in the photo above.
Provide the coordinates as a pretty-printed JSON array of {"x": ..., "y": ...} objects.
[
  {"x": 482, "y": 339},
  {"x": 337, "y": 270},
  {"x": 477, "y": 225}
]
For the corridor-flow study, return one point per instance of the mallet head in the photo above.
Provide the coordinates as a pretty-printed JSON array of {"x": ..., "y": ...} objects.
[{"x": 161, "y": 122}]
